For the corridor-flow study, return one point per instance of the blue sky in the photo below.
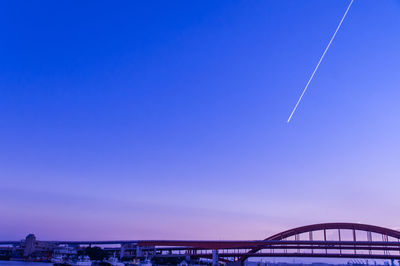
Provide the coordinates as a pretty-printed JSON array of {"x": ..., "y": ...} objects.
[{"x": 150, "y": 119}]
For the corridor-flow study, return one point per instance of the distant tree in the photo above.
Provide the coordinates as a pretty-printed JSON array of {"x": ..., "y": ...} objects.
[
  {"x": 125, "y": 259},
  {"x": 96, "y": 253},
  {"x": 81, "y": 252}
]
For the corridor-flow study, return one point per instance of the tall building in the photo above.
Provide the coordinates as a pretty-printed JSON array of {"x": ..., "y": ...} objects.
[{"x": 30, "y": 244}]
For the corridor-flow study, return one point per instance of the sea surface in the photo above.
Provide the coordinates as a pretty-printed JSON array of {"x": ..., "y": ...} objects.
[{"x": 22, "y": 263}]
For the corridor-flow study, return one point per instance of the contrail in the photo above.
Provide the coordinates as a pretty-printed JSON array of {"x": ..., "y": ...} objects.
[{"x": 320, "y": 60}]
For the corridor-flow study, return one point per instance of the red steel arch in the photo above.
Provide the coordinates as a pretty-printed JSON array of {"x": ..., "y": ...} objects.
[{"x": 329, "y": 226}]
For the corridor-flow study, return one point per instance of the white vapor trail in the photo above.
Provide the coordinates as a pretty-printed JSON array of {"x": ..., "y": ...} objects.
[{"x": 320, "y": 60}]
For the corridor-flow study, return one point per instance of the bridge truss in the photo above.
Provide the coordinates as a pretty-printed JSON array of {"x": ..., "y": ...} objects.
[{"x": 328, "y": 240}]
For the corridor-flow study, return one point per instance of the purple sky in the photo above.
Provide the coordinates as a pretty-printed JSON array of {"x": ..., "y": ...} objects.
[{"x": 167, "y": 120}]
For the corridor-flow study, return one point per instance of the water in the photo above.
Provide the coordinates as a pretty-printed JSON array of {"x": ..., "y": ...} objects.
[{"x": 22, "y": 263}]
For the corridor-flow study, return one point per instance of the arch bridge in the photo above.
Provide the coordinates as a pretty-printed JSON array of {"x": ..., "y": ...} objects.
[{"x": 326, "y": 240}]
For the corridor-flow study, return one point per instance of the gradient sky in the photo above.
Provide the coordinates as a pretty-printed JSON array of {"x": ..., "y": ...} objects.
[{"x": 167, "y": 119}]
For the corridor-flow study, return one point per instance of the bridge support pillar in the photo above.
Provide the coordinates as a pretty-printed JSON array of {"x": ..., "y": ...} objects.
[
  {"x": 215, "y": 257},
  {"x": 138, "y": 251},
  {"x": 122, "y": 253}
]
